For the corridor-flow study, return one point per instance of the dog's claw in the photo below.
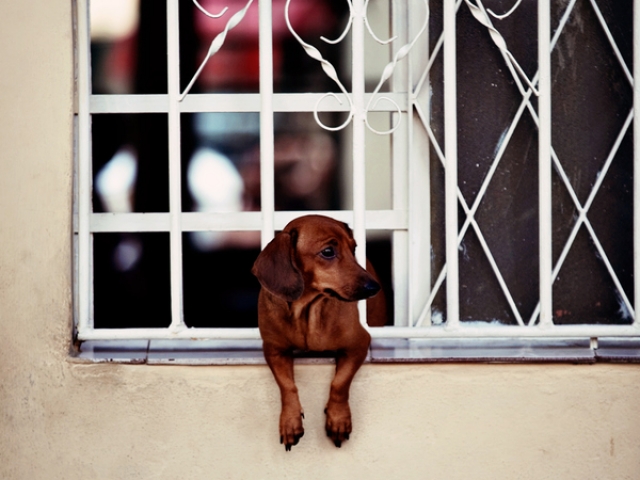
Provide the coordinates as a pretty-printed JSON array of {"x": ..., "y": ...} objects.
[
  {"x": 291, "y": 428},
  {"x": 291, "y": 442},
  {"x": 338, "y": 425}
]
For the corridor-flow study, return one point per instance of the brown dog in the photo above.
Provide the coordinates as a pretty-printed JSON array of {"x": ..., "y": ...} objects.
[{"x": 310, "y": 284}]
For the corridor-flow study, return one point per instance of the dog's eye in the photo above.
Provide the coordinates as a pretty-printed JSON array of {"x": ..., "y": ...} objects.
[{"x": 328, "y": 252}]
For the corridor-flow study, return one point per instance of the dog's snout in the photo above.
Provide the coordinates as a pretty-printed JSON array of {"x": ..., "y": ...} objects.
[{"x": 370, "y": 288}]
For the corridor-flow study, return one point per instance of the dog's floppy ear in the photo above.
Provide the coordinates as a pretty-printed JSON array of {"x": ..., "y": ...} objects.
[
  {"x": 276, "y": 270},
  {"x": 348, "y": 229}
]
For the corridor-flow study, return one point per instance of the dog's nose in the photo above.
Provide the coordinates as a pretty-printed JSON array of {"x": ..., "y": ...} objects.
[{"x": 371, "y": 288}]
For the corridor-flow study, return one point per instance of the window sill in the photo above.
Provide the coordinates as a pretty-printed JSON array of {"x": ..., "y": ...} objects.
[
  {"x": 249, "y": 352},
  {"x": 505, "y": 350}
]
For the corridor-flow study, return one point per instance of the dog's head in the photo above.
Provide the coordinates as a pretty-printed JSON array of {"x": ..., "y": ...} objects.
[{"x": 314, "y": 254}]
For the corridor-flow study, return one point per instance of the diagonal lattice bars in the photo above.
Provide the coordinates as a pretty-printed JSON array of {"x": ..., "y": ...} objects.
[{"x": 583, "y": 210}]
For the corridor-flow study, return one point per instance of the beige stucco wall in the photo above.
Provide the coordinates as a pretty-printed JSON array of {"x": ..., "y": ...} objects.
[{"x": 64, "y": 420}]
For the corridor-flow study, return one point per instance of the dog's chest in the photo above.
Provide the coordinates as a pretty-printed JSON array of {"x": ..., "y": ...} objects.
[{"x": 321, "y": 325}]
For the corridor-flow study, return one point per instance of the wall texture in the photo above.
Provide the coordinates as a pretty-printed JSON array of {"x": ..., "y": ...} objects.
[{"x": 64, "y": 420}]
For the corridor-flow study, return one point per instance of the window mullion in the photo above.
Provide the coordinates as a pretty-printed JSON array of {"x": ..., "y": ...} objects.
[
  {"x": 636, "y": 160},
  {"x": 175, "y": 202},
  {"x": 85, "y": 277},
  {"x": 401, "y": 142},
  {"x": 267, "y": 164},
  {"x": 544, "y": 159},
  {"x": 451, "y": 164},
  {"x": 359, "y": 113}
]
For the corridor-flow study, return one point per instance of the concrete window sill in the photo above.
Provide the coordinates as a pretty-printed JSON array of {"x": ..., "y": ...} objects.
[{"x": 249, "y": 352}]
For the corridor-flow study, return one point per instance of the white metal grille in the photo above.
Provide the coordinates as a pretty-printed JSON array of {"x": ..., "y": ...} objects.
[{"x": 417, "y": 46}]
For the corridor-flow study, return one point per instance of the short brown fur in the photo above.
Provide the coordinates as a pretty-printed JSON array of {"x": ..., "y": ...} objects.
[{"x": 310, "y": 284}]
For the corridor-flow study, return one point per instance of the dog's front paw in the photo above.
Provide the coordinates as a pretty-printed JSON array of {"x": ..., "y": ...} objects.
[
  {"x": 291, "y": 429},
  {"x": 338, "y": 424}
]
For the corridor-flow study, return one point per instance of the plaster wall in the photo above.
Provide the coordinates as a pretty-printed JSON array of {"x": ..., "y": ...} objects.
[{"x": 66, "y": 420}]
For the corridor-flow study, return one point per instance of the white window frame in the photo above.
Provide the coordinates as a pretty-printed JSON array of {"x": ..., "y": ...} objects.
[{"x": 412, "y": 298}]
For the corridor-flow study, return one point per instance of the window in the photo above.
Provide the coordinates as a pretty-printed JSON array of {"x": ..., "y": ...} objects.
[{"x": 483, "y": 154}]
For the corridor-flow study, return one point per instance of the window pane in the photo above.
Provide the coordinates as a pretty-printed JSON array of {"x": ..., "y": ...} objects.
[
  {"x": 219, "y": 289},
  {"x": 128, "y": 46},
  {"x": 131, "y": 280},
  {"x": 130, "y": 163}
]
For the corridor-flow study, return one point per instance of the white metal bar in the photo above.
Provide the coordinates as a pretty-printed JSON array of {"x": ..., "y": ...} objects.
[
  {"x": 240, "y": 102},
  {"x": 451, "y": 169},
  {"x": 175, "y": 201},
  {"x": 240, "y": 221},
  {"x": 130, "y": 222},
  {"x": 507, "y": 137},
  {"x": 526, "y": 93},
  {"x": 481, "y": 15},
  {"x": 464, "y": 331},
  {"x": 494, "y": 267},
  {"x": 470, "y": 220},
  {"x": 419, "y": 272},
  {"x": 85, "y": 277},
  {"x": 359, "y": 133},
  {"x": 401, "y": 148},
  {"x": 612, "y": 42},
  {"x": 506, "y": 331},
  {"x": 129, "y": 103},
  {"x": 267, "y": 194},
  {"x": 218, "y": 41},
  {"x": 434, "y": 54},
  {"x": 470, "y": 213},
  {"x": 420, "y": 241},
  {"x": 612, "y": 273},
  {"x": 544, "y": 152},
  {"x": 374, "y": 219},
  {"x": 582, "y": 217},
  {"x": 636, "y": 160},
  {"x": 165, "y": 333},
  {"x": 583, "y": 211}
]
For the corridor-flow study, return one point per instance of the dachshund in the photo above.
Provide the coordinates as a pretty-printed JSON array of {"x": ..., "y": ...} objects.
[{"x": 311, "y": 282}]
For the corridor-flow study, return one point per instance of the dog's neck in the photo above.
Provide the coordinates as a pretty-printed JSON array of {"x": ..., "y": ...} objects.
[{"x": 299, "y": 309}]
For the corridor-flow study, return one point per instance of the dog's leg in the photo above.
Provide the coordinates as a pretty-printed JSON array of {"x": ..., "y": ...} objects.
[
  {"x": 281, "y": 364},
  {"x": 338, "y": 424}
]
